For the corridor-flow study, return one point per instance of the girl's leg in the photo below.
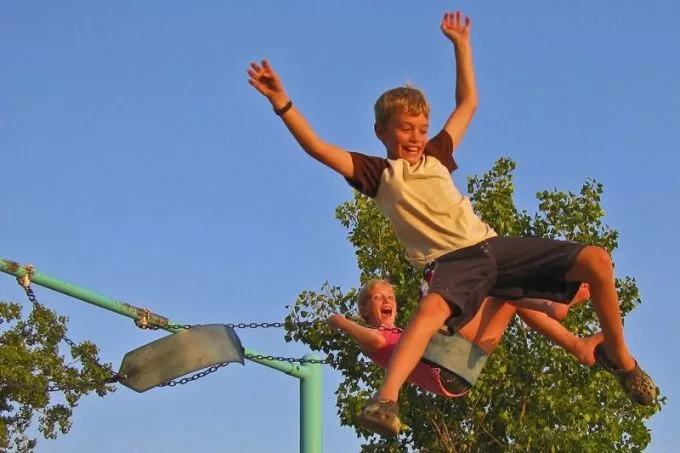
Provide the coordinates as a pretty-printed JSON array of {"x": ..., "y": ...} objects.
[
  {"x": 555, "y": 310},
  {"x": 430, "y": 315},
  {"x": 486, "y": 329},
  {"x": 538, "y": 305},
  {"x": 581, "y": 348}
]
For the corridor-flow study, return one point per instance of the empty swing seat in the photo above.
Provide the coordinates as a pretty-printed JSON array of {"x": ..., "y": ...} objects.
[{"x": 178, "y": 354}]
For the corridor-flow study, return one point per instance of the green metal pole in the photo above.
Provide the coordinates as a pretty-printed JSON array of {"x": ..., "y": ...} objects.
[
  {"x": 311, "y": 407},
  {"x": 125, "y": 309},
  {"x": 122, "y": 308}
]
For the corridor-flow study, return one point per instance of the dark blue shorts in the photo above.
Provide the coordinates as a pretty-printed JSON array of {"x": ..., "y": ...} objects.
[{"x": 509, "y": 268}]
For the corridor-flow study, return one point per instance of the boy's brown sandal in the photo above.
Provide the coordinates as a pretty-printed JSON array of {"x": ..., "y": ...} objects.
[
  {"x": 381, "y": 417},
  {"x": 638, "y": 385}
]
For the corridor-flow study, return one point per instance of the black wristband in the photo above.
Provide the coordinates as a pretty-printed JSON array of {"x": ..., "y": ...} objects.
[{"x": 285, "y": 108}]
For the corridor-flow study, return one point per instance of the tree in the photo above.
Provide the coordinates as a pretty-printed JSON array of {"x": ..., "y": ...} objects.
[
  {"x": 531, "y": 396},
  {"x": 35, "y": 379}
]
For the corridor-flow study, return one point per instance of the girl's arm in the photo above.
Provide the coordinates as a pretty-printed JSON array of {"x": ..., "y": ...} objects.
[{"x": 370, "y": 340}]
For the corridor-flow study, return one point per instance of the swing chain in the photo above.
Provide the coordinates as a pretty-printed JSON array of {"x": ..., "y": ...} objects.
[
  {"x": 25, "y": 282},
  {"x": 214, "y": 368},
  {"x": 194, "y": 377},
  {"x": 290, "y": 359},
  {"x": 252, "y": 325},
  {"x": 255, "y": 325},
  {"x": 142, "y": 323}
]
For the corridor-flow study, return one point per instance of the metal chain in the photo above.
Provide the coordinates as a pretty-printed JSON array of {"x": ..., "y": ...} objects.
[
  {"x": 291, "y": 359},
  {"x": 214, "y": 368},
  {"x": 194, "y": 377},
  {"x": 253, "y": 325},
  {"x": 114, "y": 377},
  {"x": 25, "y": 281},
  {"x": 241, "y": 325}
]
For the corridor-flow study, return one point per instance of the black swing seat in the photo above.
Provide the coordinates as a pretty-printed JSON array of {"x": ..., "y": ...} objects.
[{"x": 178, "y": 354}]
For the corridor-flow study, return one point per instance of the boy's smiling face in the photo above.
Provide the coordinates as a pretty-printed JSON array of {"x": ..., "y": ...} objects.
[
  {"x": 404, "y": 135},
  {"x": 380, "y": 308}
]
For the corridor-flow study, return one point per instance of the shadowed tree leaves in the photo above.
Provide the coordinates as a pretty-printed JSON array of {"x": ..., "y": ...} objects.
[{"x": 30, "y": 360}]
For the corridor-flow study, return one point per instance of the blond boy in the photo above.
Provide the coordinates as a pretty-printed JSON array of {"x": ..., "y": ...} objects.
[{"x": 441, "y": 233}]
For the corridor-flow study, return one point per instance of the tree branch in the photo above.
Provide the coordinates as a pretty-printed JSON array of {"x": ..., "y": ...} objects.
[
  {"x": 441, "y": 434},
  {"x": 498, "y": 442}
]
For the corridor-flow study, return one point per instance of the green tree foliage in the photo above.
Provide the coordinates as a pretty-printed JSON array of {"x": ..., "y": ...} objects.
[
  {"x": 532, "y": 396},
  {"x": 30, "y": 362}
]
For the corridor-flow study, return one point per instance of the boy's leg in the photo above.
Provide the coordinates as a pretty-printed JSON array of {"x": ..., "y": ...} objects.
[
  {"x": 581, "y": 348},
  {"x": 544, "y": 268},
  {"x": 430, "y": 315},
  {"x": 381, "y": 415},
  {"x": 485, "y": 329},
  {"x": 594, "y": 266},
  {"x": 459, "y": 282},
  {"x": 552, "y": 269}
]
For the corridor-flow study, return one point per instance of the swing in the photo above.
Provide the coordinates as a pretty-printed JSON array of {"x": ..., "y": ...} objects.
[
  {"x": 178, "y": 354},
  {"x": 457, "y": 355},
  {"x": 460, "y": 356},
  {"x": 192, "y": 348}
]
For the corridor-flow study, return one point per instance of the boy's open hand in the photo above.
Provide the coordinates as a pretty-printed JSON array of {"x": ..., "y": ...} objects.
[
  {"x": 265, "y": 80},
  {"x": 456, "y": 27}
]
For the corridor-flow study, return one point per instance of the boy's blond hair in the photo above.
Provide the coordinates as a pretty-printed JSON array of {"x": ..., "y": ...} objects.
[
  {"x": 392, "y": 100},
  {"x": 365, "y": 293}
]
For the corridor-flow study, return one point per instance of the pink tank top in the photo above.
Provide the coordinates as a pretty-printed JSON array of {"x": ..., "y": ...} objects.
[{"x": 423, "y": 376}]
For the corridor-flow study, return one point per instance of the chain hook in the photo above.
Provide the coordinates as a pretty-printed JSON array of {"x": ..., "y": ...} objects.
[
  {"x": 143, "y": 321},
  {"x": 25, "y": 280}
]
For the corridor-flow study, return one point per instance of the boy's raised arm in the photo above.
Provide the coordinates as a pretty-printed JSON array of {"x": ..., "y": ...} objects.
[
  {"x": 457, "y": 29},
  {"x": 267, "y": 82}
]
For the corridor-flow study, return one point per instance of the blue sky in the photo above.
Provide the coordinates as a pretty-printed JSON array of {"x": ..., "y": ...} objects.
[{"x": 139, "y": 163}]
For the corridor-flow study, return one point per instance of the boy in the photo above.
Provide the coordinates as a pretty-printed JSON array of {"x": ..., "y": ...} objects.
[
  {"x": 442, "y": 234},
  {"x": 378, "y": 308}
]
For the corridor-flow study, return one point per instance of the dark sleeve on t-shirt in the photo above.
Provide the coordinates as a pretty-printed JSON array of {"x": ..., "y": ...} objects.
[
  {"x": 441, "y": 148},
  {"x": 367, "y": 173}
]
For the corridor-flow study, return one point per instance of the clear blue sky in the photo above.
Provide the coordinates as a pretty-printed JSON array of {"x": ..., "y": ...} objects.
[{"x": 138, "y": 162}]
